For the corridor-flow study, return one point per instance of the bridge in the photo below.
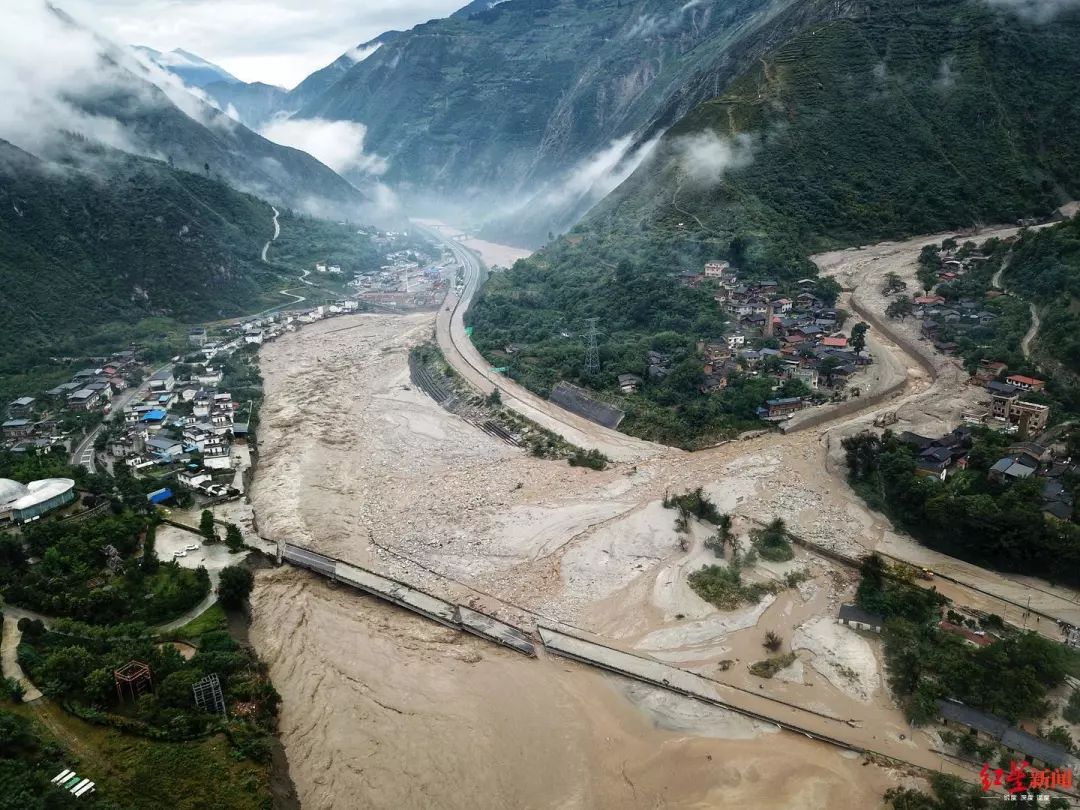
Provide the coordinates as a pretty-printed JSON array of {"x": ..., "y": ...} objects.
[{"x": 544, "y": 636}]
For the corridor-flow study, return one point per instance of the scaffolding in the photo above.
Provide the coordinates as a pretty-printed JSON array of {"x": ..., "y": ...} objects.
[
  {"x": 208, "y": 695},
  {"x": 133, "y": 679}
]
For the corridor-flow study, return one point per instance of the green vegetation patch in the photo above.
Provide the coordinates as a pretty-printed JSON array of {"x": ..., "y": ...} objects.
[
  {"x": 771, "y": 665},
  {"x": 968, "y": 515}
]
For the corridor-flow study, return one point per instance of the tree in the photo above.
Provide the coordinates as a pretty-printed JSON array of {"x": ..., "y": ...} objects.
[
  {"x": 772, "y": 642},
  {"x": 828, "y": 367},
  {"x": 858, "y": 337},
  {"x": 206, "y": 526},
  {"x": 235, "y": 586},
  {"x": 233, "y": 538},
  {"x": 900, "y": 308},
  {"x": 893, "y": 284}
]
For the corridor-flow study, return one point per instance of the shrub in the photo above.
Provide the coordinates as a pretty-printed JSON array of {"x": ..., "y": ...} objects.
[{"x": 770, "y": 666}]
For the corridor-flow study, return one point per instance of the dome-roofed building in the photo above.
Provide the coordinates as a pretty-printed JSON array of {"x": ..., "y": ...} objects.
[{"x": 22, "y": 502}]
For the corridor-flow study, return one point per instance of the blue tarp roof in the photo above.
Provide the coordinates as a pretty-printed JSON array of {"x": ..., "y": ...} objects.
[
  {"x": 160, "y": 496},
  {"x": 155, "y": 415}
]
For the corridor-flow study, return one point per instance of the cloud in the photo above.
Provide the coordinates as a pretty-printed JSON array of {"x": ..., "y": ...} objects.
[
  {"x": 47, "y": 67},
  {"x": 1038, "y": 11},
  {"x": 598, "y": 175},
  {"x": 338, "y": 144},
  {"x": 706, "y": 157},
  {"x": 360, "y": 53},
  {"x": 275, "y": 41}
]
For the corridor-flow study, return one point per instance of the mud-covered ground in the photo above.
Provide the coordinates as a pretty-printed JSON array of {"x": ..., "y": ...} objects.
[{"x": 385, "y": 710}]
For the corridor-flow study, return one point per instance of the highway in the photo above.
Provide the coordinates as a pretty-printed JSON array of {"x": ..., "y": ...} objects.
[{"x": 463, "y": 356}]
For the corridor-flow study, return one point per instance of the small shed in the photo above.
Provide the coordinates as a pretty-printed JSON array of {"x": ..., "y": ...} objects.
[
  {"x": 160, "y": 496},
  {"x": 858, "y": 619}
]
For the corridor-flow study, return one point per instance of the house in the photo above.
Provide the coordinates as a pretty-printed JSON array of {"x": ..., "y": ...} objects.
[
  {"x": 164, "y": 448},
  {"x": 1041, "y": 753},
  {"x": 1025, "y": 383},
  {"x": 154, "y": 417},
  {"x": 928, "y": 300},
  {"x": 716, "y": 268},
  {"x": 63, "y": 389},
  {"x": 193, "y": 479},
  {"x": 629, "y": 383},
  {"x": 83, "y": 400},
  {"x": 1009, "y": 469},
  {"x": 216, "y": 454},
  {"x": 783, "y": 407},
  {"x": 807, "y": 374},
  {"x": 782, "y": 305},
  {"x": 858, "y": 619},
  {"x": 17, "y": 428},
  {"x": 955, "y": 715},
  {"x": 1002, "y": 396},
  {"x": 838, "y": 342},
  {"x": 197, "y": 336},
  {"x": 1018, "y": 743},
  {"x": 1030, "y": 417},
  {"x": 1030, "y": 453},
  {"x": 21, "y": 407},
  {"x": 919, "y": 442},
  {"x": 1059, "y": 509},
  {"x": 162, "y": 381},
  {"x": 735, "y": 340}
]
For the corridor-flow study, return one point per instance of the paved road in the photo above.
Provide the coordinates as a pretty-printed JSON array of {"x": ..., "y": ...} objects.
[
  {"x": 467, "y": 361},
  {"x": 83, "y": 454}
]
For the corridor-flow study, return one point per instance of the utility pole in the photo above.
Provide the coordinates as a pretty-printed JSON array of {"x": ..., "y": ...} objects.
[{"x": 592, "y": 353}]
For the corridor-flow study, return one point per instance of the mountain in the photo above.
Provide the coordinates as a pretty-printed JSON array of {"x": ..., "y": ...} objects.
[
  {"x": 199, "y": 137},
  {"x": 193, "y": 70},
  {"x": 102, "y": 91},
  {"x": 902, "y": 118},
  {"x": 254, "y": 103},
  {"x": 323, "y": 79},
  {"x": 113, "y": 238},
  {"x": 1045, "y": 268},
  {"x": 540, "y": 100}
]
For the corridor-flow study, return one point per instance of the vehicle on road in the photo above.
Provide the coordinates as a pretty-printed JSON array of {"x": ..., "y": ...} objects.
[{"x": 191, "y": 547}]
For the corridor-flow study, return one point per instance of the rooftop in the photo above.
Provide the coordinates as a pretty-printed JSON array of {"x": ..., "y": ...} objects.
[{"x": 854, "y": 613}]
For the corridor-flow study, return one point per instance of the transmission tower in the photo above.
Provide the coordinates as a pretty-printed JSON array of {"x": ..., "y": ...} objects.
[{"x": 592, "y": 353}]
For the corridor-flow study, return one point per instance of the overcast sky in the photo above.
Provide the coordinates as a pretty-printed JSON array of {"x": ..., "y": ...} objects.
[{"x": 274, "y": 41}]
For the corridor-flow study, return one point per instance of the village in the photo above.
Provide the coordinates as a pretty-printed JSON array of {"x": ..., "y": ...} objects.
[
  {"x": 798, "y": 341},
  {"x": 178, "y": 423},
  {"x": 1001, "y": 399}
]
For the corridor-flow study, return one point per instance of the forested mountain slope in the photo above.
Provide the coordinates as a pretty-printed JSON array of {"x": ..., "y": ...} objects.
[
  {"x": 505, "y": 99},
  {"x": 1045, "y": 268},
  {"x": 130, "y": 238},
  {"x": 909, "y": 118},
  {"x": 912, "y": 118}
]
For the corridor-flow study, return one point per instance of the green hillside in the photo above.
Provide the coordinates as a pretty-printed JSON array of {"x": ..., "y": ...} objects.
[
  {"x": 910, "y": 118},
  {"x": 83, "y": 250},
  {"x": 1045, "y": 268}
]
